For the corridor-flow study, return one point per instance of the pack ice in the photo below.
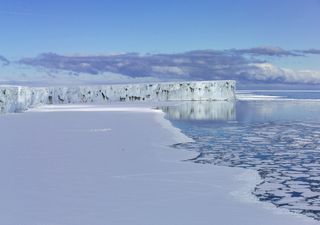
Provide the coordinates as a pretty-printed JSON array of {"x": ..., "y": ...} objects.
[{"x": 20, "y": 98}]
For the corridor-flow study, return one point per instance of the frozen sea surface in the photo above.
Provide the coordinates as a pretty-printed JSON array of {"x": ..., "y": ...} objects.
[
  {"x": 279, "y": 139},
  {"x": 112, "y": 165}
]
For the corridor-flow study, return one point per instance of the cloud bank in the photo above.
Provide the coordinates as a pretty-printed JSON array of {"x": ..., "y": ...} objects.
[
  {"x": 4, "y": 61},
  {"x": 243, "y": 65},
  {"x": 268, "y": 51},
  {"x": 311, "y": 51}
]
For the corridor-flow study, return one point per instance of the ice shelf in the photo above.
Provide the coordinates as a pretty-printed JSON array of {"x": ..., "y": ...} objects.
[{"x": 20, "y": 98}]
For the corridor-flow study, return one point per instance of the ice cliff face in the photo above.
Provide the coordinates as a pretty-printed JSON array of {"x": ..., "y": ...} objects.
[{"x": 15, "y": 99}]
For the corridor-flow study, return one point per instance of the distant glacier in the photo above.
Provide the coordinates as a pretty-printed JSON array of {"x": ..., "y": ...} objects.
[{"x": 20, "y": 98}]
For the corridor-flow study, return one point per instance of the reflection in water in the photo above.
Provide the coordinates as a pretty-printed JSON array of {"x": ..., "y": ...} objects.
[
  {"x": 204, "y": 110},
  {"x": 271, "y": 111},
  {"x": 281, "y": 140}
]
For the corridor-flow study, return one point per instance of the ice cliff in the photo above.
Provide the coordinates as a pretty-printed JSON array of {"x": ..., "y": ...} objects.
[{"x": 19, "y": 98}]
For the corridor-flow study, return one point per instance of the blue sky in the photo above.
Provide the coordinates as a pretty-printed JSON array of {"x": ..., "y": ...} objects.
[
  {"x": 67, "y": 27},
  {"x": 92, "y": 26}
]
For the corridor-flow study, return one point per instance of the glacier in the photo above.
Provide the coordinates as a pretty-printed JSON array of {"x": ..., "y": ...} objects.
[{"x": 21, "y": 98}]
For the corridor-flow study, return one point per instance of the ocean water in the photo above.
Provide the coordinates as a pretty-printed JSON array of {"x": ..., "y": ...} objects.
[{"x": 276, "y": 133}]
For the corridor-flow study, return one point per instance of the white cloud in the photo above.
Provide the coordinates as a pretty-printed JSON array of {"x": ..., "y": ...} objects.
[
  {"x": 269, "y": 72},
  {"x": 242, "y": 65},
  {"x": 169, "y": 70}
]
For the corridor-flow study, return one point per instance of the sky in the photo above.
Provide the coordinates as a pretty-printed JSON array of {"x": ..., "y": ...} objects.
[{"x": 30, "y": 28}]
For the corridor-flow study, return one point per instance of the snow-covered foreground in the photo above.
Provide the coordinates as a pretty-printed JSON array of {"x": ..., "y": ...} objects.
[{"x": 110, "y": 165}]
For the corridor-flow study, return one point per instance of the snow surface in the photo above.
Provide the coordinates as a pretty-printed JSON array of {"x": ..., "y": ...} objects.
[
  {"x": 17, "y": 98},
  {"x": 112, "y": 164}
]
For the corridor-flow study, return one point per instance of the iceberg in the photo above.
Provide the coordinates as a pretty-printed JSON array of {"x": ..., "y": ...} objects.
[{"x": 20, "y": 98}]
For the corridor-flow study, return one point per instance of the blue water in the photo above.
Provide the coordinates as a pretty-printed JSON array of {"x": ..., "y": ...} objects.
[
  {"x": 290, "y": 94},
  {"x": 279, "y": 139}
]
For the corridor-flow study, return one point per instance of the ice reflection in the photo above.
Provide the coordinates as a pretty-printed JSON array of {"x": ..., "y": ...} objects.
[{"x": 205, "y": 110}]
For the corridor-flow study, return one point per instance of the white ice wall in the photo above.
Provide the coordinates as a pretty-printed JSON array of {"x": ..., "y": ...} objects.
[{"x": 15, "y": 99}]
